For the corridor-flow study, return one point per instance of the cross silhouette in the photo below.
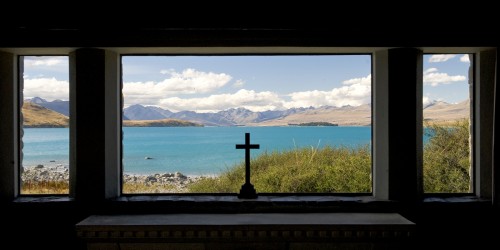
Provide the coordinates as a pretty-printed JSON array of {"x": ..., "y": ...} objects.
[{"x": 247, "y": 191}]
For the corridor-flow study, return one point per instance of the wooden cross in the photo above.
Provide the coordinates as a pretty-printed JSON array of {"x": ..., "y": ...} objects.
[{"x": 247, "y": 190}]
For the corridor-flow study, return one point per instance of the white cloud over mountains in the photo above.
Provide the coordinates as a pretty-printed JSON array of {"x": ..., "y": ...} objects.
[
  {"x": 434, "y": 78},
  {"x": 354, "y": 92},
  {"x": 47, "y": 88}
]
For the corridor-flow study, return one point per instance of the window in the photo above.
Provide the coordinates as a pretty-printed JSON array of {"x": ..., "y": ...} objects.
[
  {"x": 183, "y": 115},
  {"x": 447, "y": 122},
  {"x": 45, "y": 121}
]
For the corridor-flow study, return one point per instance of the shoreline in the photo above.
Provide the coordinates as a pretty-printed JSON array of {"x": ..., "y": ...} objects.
[{"x": 157, "y": 183}]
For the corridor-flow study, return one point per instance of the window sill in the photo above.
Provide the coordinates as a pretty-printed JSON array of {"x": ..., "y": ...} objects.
[
  {"x": 235, "y": 199},
  {"x": 43, "y": 199},
  {"x": 456, "y": 199}
]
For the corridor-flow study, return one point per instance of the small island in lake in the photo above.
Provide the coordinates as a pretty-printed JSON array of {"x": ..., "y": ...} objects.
[
  {"x": 160, "y": 123},
  {"x": 314, "y": 124}
]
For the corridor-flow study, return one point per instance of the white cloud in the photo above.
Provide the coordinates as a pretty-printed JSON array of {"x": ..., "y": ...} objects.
[
  {"x": 356, "y": 92},
  {"x": 441, "y": 58},
  {"x": 238, "y": 84},
  {"x": 46, "y": 88},
  {"x": 249, "y": 99},
  {"x": 45, "y": 61},
  {"x": 465, "y": 58},
  {"x": 426, "y": 101},
  {"x": 189, "y": 81},
  {"x": 434, "y": 78},
  {"x": 167, "y": 71},
  {"x": 363, "y": 81}
]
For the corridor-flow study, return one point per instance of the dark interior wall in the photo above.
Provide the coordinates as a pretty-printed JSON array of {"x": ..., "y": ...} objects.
[{"x": 51, "y": 224}]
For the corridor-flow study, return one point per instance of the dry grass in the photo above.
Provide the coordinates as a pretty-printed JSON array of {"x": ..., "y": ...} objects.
[
  {"x": 45, "y": 187},
  {"x": 141, "y": 188}
]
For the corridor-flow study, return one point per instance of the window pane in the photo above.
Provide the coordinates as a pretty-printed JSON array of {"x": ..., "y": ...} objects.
[
  {"x": 447, "y": 136},
  {"x": 45, "y": 136},
  {"x": 183, "y": 116}
]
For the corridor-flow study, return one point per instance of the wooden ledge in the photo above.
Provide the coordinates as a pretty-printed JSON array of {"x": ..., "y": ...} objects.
[{"x": 246, "y": 227}]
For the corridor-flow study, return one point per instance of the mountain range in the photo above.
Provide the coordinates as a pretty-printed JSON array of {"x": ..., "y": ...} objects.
[{"x": 344, "y": 116}]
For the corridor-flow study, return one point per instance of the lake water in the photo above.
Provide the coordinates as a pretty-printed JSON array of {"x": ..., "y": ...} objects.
[{"x": 191, "y": 150}]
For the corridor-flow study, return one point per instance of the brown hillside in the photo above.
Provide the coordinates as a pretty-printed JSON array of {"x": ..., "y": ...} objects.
[{"x": 36, "y": 116}]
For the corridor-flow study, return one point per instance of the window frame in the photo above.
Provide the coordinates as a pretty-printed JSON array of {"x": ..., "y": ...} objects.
[
  {"x": 20, "y": 143},
  {"x": 340, "y": 194},
  {"x": 472, "y": 127},
  {"x": 378, "y": 193}
]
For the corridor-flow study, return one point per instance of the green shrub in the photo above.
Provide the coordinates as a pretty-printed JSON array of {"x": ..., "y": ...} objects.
[{"x": 447, "y": 158}]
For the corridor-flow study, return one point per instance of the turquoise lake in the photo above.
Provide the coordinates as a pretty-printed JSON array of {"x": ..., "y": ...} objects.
[{"x": 191, "y": 150}]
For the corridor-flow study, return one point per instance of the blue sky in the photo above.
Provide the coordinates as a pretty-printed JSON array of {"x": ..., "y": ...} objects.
[{"x": 213, "y": 83}]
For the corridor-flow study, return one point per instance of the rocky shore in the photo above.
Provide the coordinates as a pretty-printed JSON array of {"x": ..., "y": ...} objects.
[{"x": 171, "y": 182}]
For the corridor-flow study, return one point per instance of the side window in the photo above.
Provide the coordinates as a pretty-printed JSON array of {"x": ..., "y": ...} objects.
[
  {"x": 447, "y": 115},
  {"x": 45, "y": 125}
]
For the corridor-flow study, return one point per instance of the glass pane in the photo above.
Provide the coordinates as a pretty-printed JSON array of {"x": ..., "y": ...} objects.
[
  {"x": 45, "y": 137},
  {"x": 183, "y": 116},
  {"x": 447, "y": 113}
]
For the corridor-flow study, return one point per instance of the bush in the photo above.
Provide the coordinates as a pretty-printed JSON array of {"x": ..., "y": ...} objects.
[{"x": 447, "y": 158}]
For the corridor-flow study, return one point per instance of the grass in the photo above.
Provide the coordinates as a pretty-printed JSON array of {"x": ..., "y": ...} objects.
[
  {"x": 45, "y": 187},
  {"x": 141, "y": 188},
  {"x": 305, "y": 170}
]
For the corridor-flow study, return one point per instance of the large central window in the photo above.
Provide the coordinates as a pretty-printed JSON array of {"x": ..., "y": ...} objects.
[{"x": 183, "y": 115}]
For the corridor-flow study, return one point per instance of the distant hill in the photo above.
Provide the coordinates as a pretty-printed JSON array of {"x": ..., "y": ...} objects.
[
  {"x": 229, "y": 117},
  {"x": 160, "y": 123},
  {"x": 59, "y": 106},
  {"x": 37, "y": 116},
  {"x": 436, "y": 111},
  {"x": 443, "y": 111},
  {"x": 139, "y": 112}
]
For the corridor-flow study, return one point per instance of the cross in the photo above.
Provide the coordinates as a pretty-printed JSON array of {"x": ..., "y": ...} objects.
[{"x": 247, "y": 190}]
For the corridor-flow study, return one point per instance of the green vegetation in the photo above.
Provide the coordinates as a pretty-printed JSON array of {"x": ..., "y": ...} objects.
[
  {"x": 342, "y": 169},
  {"x": 316, "y": 124},
  {"x": 306, "y": 170},
  {"x": 310, "y": 124},
  {"x": 160, "y": 123},
  {"x": 447, "y": 159}
]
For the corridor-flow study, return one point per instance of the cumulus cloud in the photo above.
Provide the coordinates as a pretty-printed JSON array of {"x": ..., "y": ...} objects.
[
  {"x": 249, "y": 99},
  {"x": 357, "y": 91},
  {"x": 465, "y": 58},
  {"x": 434, "y": 78},
  {"x": 45, "y": 61},
  {"x": 47, "y": 88},
  {"x": 189, "y": 81},
  {"x": 441, "y": 58},
  {"x": 354, "y": 92}
]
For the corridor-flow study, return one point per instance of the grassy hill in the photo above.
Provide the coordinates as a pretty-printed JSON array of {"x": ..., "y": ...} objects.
[
  {"x": 160, "y": 123},
  {"x": 36, "y": 116}
]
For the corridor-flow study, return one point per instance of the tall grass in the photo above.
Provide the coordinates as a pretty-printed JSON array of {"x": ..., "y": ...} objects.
[{"x": 304, "y": 170}]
